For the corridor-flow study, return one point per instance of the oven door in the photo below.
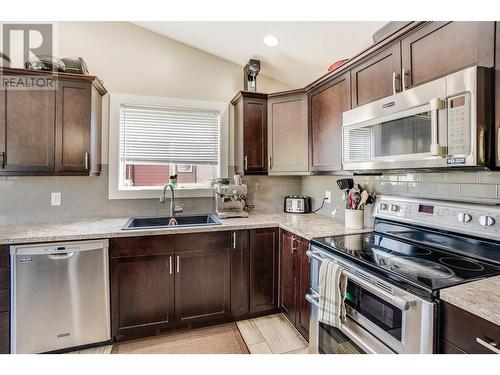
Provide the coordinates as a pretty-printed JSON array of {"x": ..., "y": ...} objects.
[{"x": 381, "y": 318}]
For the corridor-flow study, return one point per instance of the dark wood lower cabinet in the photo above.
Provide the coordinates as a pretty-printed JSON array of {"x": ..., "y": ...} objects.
[
  {"x": 142, "y": 297},
  {"x": 4, "y": 333},
  {"x": 263, "y": 270},
  {"x": 202, "y": 291},
  {"x": 4, "y": 300},
  {"x": 294, "y": 285},
  {"x": 464, "y": 332},
  {"x": 240, "y": 274}
]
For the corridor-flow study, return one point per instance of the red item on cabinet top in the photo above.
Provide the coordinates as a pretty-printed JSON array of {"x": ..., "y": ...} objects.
[{"x": 337, "y": 64}]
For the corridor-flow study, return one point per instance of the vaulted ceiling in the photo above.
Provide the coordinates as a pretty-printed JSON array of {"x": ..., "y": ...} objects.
[{"x": 305, "y": 49}]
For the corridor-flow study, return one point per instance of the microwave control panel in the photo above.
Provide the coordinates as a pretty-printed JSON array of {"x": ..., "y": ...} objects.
[
  {"x": 459, "y": 125},
  {"x": 457, "y": 217}
]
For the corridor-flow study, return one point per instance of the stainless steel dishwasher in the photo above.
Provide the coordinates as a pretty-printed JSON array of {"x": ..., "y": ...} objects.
[{"x": 60, "y": 296}]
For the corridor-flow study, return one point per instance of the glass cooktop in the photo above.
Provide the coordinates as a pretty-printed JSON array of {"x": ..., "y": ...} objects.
[{"x": 430, "y": 267}]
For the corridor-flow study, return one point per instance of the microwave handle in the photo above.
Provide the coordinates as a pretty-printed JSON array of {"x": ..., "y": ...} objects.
[{"x": 435, "y": 105}]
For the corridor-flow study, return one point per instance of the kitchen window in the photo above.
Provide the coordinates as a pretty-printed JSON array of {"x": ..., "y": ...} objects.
[{"x": 153, "y": 138}]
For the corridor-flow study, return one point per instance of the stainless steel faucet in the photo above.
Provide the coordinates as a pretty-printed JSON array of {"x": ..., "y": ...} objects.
[{"x": 173, "y": 209}]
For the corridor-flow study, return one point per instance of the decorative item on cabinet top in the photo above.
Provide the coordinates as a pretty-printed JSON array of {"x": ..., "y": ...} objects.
[{"x": 52, "y": 131}]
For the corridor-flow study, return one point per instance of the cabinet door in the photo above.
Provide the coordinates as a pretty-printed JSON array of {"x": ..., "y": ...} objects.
[
  {"x": 142, "y": 295},
  {"x": 288, "y": 276},
  {"x": 497, "y": 95},
  {"x": 202, "y": 286},
  {"x": 73, "y": 128},
  {"x": 240, "y": 274},
  {"x": 4, "y": 333},
  {"x": 288, "y": 134},
  {"x": 326, "y": 105},
  {"x": 440, "y": 48},
  {"x": 27, "y": 121},
  {"x": 377, "y": 77},
  {"x": 255, "y": 135},
  {"x": 263, "y": 270},
  {"x": 303, "y": 287}
]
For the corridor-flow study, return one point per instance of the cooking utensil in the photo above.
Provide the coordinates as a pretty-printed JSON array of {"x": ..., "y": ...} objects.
[
  {"x": 346, "y": 184},
  {"x": 334, "y": 212},
  {"x": 364, "y": 198},
  {"x": 356, "y": 198}
]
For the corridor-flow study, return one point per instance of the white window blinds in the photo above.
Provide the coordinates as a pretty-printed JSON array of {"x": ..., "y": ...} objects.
[{"x": 158, "y": 135}]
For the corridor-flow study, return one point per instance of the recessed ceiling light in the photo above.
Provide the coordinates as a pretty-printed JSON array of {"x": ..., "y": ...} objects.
[{"x": 271, "y": 41}]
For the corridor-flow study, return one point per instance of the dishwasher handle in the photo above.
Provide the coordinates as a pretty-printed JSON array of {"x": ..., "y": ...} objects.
[{"x": 61, "y": 256}]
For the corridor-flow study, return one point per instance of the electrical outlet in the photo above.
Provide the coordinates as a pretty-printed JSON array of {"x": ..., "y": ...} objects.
[
  {"x": 55, "y": 199},
  {"x": 328, "y": 196}
]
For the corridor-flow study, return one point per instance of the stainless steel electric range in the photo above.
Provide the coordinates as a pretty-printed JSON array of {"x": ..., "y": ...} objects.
[{"x": 395, "y": 273}]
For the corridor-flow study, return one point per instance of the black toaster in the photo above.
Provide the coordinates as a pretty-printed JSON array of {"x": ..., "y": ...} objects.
[{"x": 297, "y": 204}]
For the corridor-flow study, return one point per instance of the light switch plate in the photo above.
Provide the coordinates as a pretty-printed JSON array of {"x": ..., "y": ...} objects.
[
  {"x": 328, "y": 196},
  {"x": 55, "y": 199}
]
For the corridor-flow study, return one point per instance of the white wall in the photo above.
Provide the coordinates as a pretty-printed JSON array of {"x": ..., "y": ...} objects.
[{"x": 133, "y": 60}]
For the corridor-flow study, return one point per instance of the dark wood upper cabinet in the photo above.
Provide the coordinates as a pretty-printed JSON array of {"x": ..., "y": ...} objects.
[
  {"x": 440, "y": 48},
  {"x": 463, "y": 332},
  {"x": 295, "y": 284},
  {"x": 27, "y": 120},
  {"x": 240, "y": 274},
  {"x": 497, "y": 95},
  {"x": 250, "y": 133},
  {"x": 264, "y": 270},
  {"x": 202, "y": 290},
  {"x": 327, "y": 103},
  {"x": 376, "y": 77},
  {"x": 78, "y": 129},
  {"x": 48, "y": 132}
]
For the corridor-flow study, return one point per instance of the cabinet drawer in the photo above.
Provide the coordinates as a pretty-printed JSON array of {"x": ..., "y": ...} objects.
[
  {"x": 137, "y": 246},
  {"x": 4, "y": 277},
  {"x": 462, "y": 329},
  {"x": 4, "y": 333},
  {"x": 4, "y": 300},
  {"x": 201, "y": 241}
]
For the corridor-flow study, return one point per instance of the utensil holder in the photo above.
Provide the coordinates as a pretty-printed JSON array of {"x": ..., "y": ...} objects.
[{"x": 354, "y": 219}]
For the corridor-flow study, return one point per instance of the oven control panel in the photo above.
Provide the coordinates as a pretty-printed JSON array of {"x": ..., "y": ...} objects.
[{"x": 479, "y": 220}]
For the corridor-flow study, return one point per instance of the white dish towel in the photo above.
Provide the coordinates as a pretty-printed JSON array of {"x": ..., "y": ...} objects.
[{"x": 332, "y": 289}]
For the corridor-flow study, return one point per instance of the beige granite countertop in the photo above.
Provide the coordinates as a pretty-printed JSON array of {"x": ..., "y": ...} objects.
[
  {"x": 481, "y": 298},
  {"x": 307, "y": 226}
]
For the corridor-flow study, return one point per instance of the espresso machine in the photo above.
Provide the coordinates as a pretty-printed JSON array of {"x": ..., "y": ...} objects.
[{"x": 230, "y": 200}]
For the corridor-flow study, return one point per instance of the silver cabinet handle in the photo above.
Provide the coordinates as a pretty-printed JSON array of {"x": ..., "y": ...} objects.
[
  {"x": 86, "y": 160},
  {"x": 234, "y": 240},
  {"x": 270, "y": 162},
  {"x": 178, "y": 264},
  {"x": 403, "y": 79},
  {"x": 435, "y": 105},
  {"x": 246, "y": 162},
  {"x": 170, "y": 263},
  {"x": 393, "y": 83},
  {"x": 491, "y": 345}
]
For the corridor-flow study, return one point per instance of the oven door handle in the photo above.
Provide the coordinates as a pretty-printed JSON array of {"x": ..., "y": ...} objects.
[
  {"x": 399, "y": 302},
  {"x": 313, "y": 299}
]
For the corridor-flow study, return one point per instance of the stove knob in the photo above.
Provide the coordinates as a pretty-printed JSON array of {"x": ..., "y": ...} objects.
[
  {"x": 464, "y": 217},
  {"x": 383, "y": 206},
  {"x": 486, "y": 221},
  {"x": 394, "y": 208}
]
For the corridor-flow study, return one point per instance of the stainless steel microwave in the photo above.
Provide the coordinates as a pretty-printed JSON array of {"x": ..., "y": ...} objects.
[{"x": 445, "y": 123}]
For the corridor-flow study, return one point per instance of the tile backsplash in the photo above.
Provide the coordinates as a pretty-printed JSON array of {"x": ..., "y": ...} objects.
[
  {"x": 26, "y": 200},
  {"x": 475, "y": 187}
]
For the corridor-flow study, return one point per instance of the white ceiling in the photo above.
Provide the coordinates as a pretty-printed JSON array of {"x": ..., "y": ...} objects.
[{"x": 305, "y": 51}]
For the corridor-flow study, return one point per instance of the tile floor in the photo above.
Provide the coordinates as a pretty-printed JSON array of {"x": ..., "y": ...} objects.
[{"x": 272, "y": 334}]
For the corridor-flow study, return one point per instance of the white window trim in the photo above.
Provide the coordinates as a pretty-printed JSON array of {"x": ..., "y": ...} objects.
[{"x": 115, "y": 103}]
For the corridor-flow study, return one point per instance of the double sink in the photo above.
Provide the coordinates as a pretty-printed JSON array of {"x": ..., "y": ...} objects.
[{"x": 171, "y": 222}]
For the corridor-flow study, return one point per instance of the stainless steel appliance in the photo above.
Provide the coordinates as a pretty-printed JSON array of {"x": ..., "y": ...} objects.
[
  {"x": 60, "y": 296},
  {"x": 230, "y": 200},
  {"x": 395, "y": 273},
  {"x": 297, "y": 204},
  {"x": 446, "y": 123}
]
